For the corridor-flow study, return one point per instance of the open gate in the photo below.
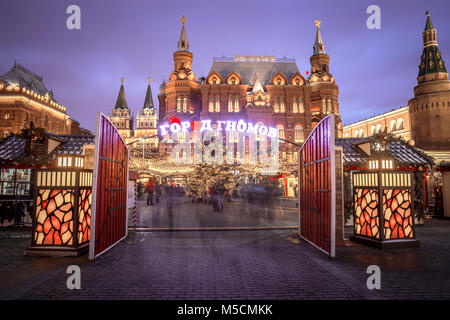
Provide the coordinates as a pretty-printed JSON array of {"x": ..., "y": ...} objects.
[
  {"x": 317, "y": 190},
  {"x": 109, "y": 206}
]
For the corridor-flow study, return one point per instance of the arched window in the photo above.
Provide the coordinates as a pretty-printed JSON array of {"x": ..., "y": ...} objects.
[
  {"x": 282, "y": 105},
  {"x": 298, "y": 133},
  {"x": 294, "y": 105},
  {"x": 230, "y": 104},
  {"x": 329, "y": 106},
  {"x": 393, "y": 125},
  {"x": 236, "y": 104},
  {"x": 356, "y": 133},
  {"x": 280, "y": 130},
  {"x": 276, "y": 106},
  {"x": 372, "y": 130},
  {"x": 361, "y": 133},
  {"x": 184, "y": 105},
  {"x": 324, "y": 106},
  {"x": 301, "y": 108},
  {"x": 214, "y": 80},
  {"x": 400, "y": 125},
  {"x": 379, "y": 128},
  {"x": 217, "y": 104},
  {"x": 211, "y": 104},
  {"x": 178, "y": 104}
]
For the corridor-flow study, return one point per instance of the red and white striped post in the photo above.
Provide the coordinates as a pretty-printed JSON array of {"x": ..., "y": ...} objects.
[{"x": 135, "y": 204}]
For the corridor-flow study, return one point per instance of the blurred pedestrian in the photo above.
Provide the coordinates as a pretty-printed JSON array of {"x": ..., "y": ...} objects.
[
  {"x": 150, "y": 191},
  {"x": 157, "y": 191},
  {"x": 220, "y": 195},
  {"x": 170, "y": 198},
  {"x": 139, "y": 190}
]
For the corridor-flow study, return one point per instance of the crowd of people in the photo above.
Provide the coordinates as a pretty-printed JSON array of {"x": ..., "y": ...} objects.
[{"x": 263, "y": 193}]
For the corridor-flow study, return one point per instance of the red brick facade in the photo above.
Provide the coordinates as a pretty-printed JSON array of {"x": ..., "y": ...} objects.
[{"x": 253, "y": 88}]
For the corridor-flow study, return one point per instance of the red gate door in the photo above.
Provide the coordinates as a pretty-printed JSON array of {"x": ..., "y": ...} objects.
[
  {"x": 317, "y": 187},
  {"x": 109, "y": 190}
]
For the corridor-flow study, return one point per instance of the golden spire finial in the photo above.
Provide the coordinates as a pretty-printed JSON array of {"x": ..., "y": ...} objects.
[
  {"x": 149, "y": 79},
  {"x": 317, "y": 23},
  {"x": 183, "y": 19},
  {"x": 122, "y": 80}
]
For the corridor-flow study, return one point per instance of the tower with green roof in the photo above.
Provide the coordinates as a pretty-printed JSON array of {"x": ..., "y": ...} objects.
[
  {"x": 430, "y": 107},
  {"x": 432, "y": 65}
]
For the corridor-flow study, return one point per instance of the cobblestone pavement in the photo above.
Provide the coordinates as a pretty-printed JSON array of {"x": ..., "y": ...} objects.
[
  {"x": 269, "y": 264},
  {"x": 200, "y": 215}
]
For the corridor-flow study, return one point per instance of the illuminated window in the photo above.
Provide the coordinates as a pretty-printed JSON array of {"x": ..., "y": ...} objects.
[
  {"x": 7, "y": 115},
  {"x": 324, "y": 106},
  {"x": 329, "y": 106},
  {"x": 372, "y": 130},
  {"x": 295, "y": 157},
  {"x": 393, "y": 125},
  {"x": 280, "y": 130},
  {"x": 298, "y": 133},
  {"x": 282, "y": 105},
  {"x": 361, "y": 133},
  {"x": 400, "y": 124},
  {"x": 184, "y": 105},
  {"x": 178, "y": 104},
  {"x": 294, "y": 105},
  {"x": 211, "y": 104},
  {"x": 236, "y": 104},
  {"x": 181, "y": 136},
  {"x": 379, "y": 128},
  {"x": 301, "y": 109},
  {"x": 230, "y": 104},
  {"x": 217, "y": 104},
  {"x": 276, "y": 105}
]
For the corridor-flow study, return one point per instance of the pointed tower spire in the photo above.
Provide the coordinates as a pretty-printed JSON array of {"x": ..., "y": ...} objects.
[
  {"x": 429, "y": 24},
  {"x": 121, "y": 102},
  {"x": 318, "y": 47},
  {"x": 431, "y": 60},
  {"x": 148, "y": 103},
  {"x": 258, "y": 85},
  {"x": 183, "y": 44}
]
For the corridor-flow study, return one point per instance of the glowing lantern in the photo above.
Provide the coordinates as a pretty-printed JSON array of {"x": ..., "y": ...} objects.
[
  {"x": 383, "y": 214},
  {"x": 62, "y": 213}
]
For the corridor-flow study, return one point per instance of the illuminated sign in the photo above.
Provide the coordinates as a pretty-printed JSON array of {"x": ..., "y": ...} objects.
[{"x": 205, "y": 125}]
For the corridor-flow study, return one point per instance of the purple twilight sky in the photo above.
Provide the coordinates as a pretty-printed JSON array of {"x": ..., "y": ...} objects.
[{"x": 376, "y": 70}]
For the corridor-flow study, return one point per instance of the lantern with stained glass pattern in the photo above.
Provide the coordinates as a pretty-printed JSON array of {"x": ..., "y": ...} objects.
[
  {"x": 383, "y": 213},
  {"x": 61, "y": 219}
]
